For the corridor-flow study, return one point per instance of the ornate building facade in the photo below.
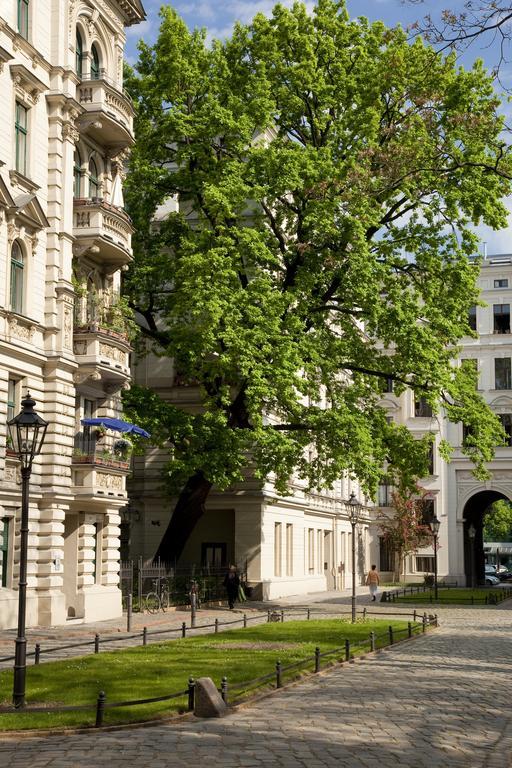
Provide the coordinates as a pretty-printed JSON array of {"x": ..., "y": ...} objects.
[{"x": 64, "y": 240}]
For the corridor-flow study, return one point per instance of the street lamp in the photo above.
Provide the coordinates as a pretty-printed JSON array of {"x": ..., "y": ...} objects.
[
  {"x": 471, "y": 534},
  {"x": 27, "y": 431},
  {"x": 434, "y": 527},
  {"x": 353, "y": 516}
]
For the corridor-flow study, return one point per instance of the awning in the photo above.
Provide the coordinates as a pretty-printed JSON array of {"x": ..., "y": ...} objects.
[{"x": 117, "y": 425}]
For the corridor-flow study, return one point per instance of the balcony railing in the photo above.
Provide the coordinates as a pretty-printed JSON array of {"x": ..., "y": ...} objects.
[
  {"x": 91, "y": 447},
  {"x": 108, "y": 116},
  {"x": 103, "y": 230}
]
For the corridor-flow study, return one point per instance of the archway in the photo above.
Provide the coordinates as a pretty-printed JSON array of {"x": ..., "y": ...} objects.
[{"x": 474, "y": 513}]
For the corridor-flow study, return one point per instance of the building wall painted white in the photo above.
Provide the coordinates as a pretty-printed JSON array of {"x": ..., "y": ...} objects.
[{"x": 59, "y": 234}]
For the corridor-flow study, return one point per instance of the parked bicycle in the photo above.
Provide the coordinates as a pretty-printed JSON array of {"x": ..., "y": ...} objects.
[{"x": 158, "y": 598}]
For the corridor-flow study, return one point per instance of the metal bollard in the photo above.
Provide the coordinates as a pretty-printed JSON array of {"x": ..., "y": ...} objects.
[
  {"x": 245, "y": 621},
  {"x": 183, "y": 629},
  {"x": 37, "y": 654},
  {"x": 436, "y": 621},
  {"x": 100, "y": 709},
  {"x": 414, "y": 615},
  {"x": 144, "y": 635},
  {"x": 372, "y": 641},
  {"x": 409, "y": 629},
  {"x": 129, "y": 609},
  {"x": 191, "y": 691},
  {"x": 224, "y": 690},
  {"x": 279, "y": 682},
  {"x": 282, "y": 617},
  {"x": 309, "y": 614},
  {"x": 268, "y": 615},
  {"x": 216, "y": 626},
  {"x": 390, "y": 630},
  {"x": 317, "y": 659},
  {"x": 424, "y": 623},
  {"x": 96, "y": 643},
  {"x": 347, "y": 650}
]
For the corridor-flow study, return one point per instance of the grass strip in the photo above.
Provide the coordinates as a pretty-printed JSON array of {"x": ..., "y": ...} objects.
[{"x": 164, "y": 668}]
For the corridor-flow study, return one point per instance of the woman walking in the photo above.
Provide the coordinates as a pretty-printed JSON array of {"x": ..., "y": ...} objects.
[{"x": 373, "y": 581}]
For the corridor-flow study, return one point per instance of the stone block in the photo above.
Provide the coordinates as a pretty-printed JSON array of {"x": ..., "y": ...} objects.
[{"x": 207, "y": 700}]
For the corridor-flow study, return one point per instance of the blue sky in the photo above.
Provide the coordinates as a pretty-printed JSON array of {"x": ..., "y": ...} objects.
[{"x": 218, "y": 18}]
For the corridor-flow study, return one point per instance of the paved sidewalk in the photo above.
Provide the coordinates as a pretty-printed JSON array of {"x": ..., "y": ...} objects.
[{"x": 441, "y": 701}]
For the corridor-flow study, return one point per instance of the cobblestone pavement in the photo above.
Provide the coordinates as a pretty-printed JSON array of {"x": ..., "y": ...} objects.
[{"x": 440, "y": 701}]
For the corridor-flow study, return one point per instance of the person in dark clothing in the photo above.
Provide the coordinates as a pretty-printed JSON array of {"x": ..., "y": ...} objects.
[{"x": 232, "y": 584}]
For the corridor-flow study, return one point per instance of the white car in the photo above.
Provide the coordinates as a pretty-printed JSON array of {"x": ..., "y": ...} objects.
[{"x": 491, "y": 580}]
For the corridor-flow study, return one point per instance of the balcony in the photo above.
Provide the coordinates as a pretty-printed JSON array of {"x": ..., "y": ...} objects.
[
  {"x": 102, "y": 354},
  {"x": 108, "y": 116},
  {"x": 99, "y": 466},
  {"x": 102, "y": 230}
]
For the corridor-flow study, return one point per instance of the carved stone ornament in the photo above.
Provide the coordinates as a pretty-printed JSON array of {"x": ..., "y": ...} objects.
[
  {"x": 12, "y": 475},
  {"x": 68, "y": 329},
  {"x": 109, "y": 481},
  {"x": 113, "y": 353},
  {"x": 22, "y": 331},
  {"x": 70, "y": 133}
]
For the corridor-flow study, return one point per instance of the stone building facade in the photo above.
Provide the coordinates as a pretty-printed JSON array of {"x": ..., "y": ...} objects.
[
  {"x": 64, "y": 239},
  {"x": 459, "y": 500}
]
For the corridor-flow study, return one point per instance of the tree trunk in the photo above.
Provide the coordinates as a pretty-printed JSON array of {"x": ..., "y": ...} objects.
[{"x": 189, "y": 508}]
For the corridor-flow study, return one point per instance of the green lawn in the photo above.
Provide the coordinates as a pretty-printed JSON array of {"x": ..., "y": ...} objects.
[
  {"x": 455, "y": 595},
  {"x": 164, "y": 668}
]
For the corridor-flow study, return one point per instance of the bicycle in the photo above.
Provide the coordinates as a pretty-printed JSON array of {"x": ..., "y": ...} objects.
[{"x": 158, "y": 599}]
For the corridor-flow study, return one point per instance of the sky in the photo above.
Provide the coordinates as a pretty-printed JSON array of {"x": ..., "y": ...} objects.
[{"x": 218, "y": 17}]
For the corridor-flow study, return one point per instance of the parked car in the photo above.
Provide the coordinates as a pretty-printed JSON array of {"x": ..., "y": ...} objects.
[
  {"x": 490, "y": 580},
  {"x": 504, "y": 575}
]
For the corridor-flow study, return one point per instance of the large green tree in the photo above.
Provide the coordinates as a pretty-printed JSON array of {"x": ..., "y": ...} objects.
[
  {"x": 498, "y": 521},
  {"x": 328, "y": 174}
]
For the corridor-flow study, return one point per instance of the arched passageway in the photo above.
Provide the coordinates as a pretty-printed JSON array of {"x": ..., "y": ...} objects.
[{"x": 474, "y": 513}]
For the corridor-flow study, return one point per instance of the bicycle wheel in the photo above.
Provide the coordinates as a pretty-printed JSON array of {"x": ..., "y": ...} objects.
[
  {"x": 152, "y": 602},
  {"x": 164, "y": 600}
]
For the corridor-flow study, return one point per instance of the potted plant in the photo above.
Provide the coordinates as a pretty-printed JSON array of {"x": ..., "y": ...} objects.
[
  {"x": 123, "y": 448},
  {"x": 9, "y": 447}
]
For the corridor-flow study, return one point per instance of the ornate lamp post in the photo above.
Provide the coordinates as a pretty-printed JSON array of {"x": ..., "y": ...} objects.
[
  {"x": 471, "y": 534},
  {"x": 27, "y": 432},
  {"x": 353, "y": 516},
  {"x": 434, "y": 527}
]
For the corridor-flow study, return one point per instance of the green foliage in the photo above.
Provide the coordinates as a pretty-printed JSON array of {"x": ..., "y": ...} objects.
[
  {"x": 328, "y": 174},
  {"x": 498, "y": 521}
]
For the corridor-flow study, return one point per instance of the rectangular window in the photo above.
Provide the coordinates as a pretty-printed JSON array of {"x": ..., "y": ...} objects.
[
  {"x": 97, "y": 553},
  {"x": 501, "y": 315},
  {"x": 289, "y": 549},
  {"x": 311, "y": 550},
  {"x": 428, "y": 511},
  {"x": 23, "y": 6},
  {"x": 277, "y": 549},
  {"x": 506, "y": 422},
  {"x": 425, "y": 563},
  {"x": 501, "y": 283},
  {"x": 21, "y": 134},
  {"x": 472, "y": 317},
  {"x": 385, "y": 491},
  {"x": 12, "y": 398},
  {"x": 422, "y": 409},
  {"x": 431, "y": 460},
  {"x": 385, "y": 554},
  {"x": 502, "y": 377},
  {"x": 319, "y": 551},
  {"x": 4, "y": 550}
]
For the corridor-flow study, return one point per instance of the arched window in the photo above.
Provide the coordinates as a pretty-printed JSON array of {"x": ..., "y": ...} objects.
[
  {"x": 94, "y": 184},
  {"x": 23, "y": 9},
  {"x": 79, "y": 53},
  {"x": 77, "y": 174},
  {"x": 95, "y": 63},
  {"x": 17, "y": 277}
]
